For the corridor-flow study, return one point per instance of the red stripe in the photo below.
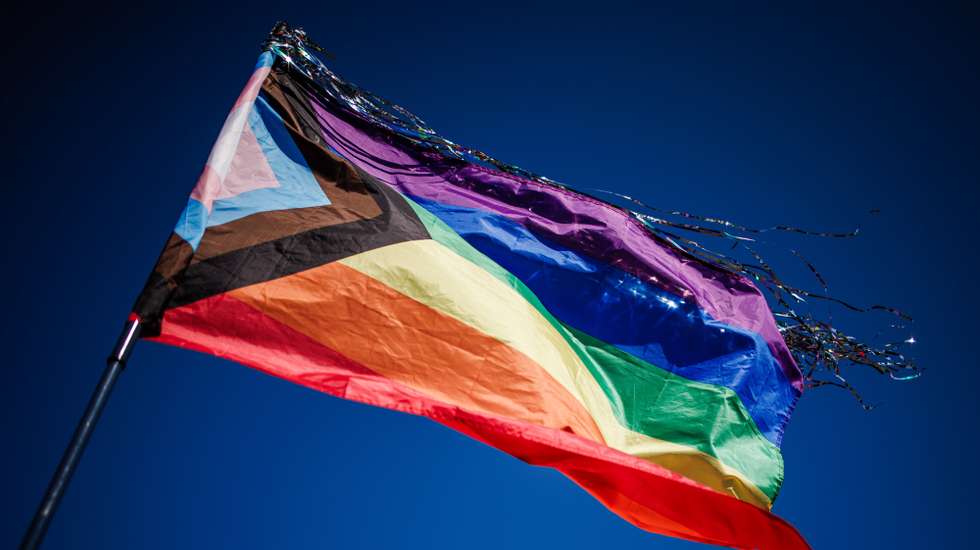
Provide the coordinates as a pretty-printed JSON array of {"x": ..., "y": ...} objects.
[{"x": 643, "y": 493}]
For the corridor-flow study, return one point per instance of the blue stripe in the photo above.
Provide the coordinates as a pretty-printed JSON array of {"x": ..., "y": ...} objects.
[
  {"x": 636, "y": 317},
  {"x": 297, "y": 186},
  {"x": 265, "y": 60},
  {"x": 192, "y": 221}
]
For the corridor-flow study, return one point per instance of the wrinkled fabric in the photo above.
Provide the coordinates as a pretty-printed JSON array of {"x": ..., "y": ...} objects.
[
  {"x": 766, "y": 375},
  {"x": 545, "y": 323}
]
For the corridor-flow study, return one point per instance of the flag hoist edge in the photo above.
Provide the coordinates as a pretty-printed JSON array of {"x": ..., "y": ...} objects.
[{"x": 326, "y": 249}]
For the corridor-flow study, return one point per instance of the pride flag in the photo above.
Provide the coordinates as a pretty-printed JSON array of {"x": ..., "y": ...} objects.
[{"x": 331, "y": 250}]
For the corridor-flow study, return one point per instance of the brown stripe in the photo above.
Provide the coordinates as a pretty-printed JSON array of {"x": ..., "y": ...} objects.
[
  {"x": 408, "y": 342},
  {"x": 352, "y": 196},
  {"x": 162, "y": 283}
]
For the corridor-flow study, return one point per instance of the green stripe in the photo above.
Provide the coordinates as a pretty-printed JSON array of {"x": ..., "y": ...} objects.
[
  {"x": 663, "y": 405},
  {"x": 645, "y": 398}
]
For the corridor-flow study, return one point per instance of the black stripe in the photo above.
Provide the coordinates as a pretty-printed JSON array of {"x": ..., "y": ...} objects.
[
  {"x": 176, "y": 281},
  {"x": 279, "y": 258}
]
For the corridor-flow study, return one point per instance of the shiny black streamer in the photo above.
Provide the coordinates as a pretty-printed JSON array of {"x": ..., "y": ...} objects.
[{"x": 821, "y": 350}]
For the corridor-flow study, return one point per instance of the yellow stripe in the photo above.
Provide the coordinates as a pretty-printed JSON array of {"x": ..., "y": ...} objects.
[{"x": 432, "y": 274}]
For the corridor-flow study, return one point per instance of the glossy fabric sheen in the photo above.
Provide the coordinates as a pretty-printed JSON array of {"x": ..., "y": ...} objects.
[
  {"x": 596, "y": 248},
  {"x": 434, "y": 275},
  {"x": 639, "y": 318},
  {"x": 333, "y": 253},
  {"x": 585, "y": 223},
  {"x": 646, "y": 400},
  {"x": 643, "y": 493}
]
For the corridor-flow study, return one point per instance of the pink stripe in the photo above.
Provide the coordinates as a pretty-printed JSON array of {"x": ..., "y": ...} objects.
[
  {"x": 236, "y": 166},
  {"x": 252, "y": 87}
]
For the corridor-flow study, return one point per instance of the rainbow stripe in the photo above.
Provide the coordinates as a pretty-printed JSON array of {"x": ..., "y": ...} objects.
[{"x": 329, "y": 251}]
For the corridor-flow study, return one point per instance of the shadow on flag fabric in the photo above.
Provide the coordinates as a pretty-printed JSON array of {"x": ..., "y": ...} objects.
[{"x": 327, "y": 249}]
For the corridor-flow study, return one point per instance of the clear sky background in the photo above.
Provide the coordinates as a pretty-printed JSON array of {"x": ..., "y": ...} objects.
[{"x": 762, "y": 115}]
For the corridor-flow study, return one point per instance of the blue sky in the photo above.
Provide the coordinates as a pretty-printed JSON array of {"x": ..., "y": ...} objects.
[{"x": 759, "y": 115}]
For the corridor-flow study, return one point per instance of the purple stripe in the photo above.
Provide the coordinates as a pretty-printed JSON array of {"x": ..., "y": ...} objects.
[{"x": 583, "y": 223}]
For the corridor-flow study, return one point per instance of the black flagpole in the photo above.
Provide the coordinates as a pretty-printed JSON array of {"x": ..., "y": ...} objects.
[
  {"x": 59, "y": 481},
  {"x": 114, "y": 367}
]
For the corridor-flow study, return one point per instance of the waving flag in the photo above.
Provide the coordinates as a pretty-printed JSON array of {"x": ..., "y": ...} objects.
[{"x": 324, "y": 246}]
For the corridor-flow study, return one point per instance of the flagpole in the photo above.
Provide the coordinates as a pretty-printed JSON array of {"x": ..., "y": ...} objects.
[
  {"x": 59, "y": 481},
  {"x": 115, "y": 364}
]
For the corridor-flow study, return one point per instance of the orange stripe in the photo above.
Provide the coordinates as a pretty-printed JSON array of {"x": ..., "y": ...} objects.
[
  {"x": 408, "y": 342},
  {"x": 651, "y": 497}
]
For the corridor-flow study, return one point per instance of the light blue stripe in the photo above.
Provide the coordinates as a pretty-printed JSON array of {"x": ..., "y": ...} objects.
[
  {"x": 265, "y": 60},
  {"x": 192, "y": 221},
  {"x": 297, "y": 188},
  {"x": 296, "y": 185}
]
